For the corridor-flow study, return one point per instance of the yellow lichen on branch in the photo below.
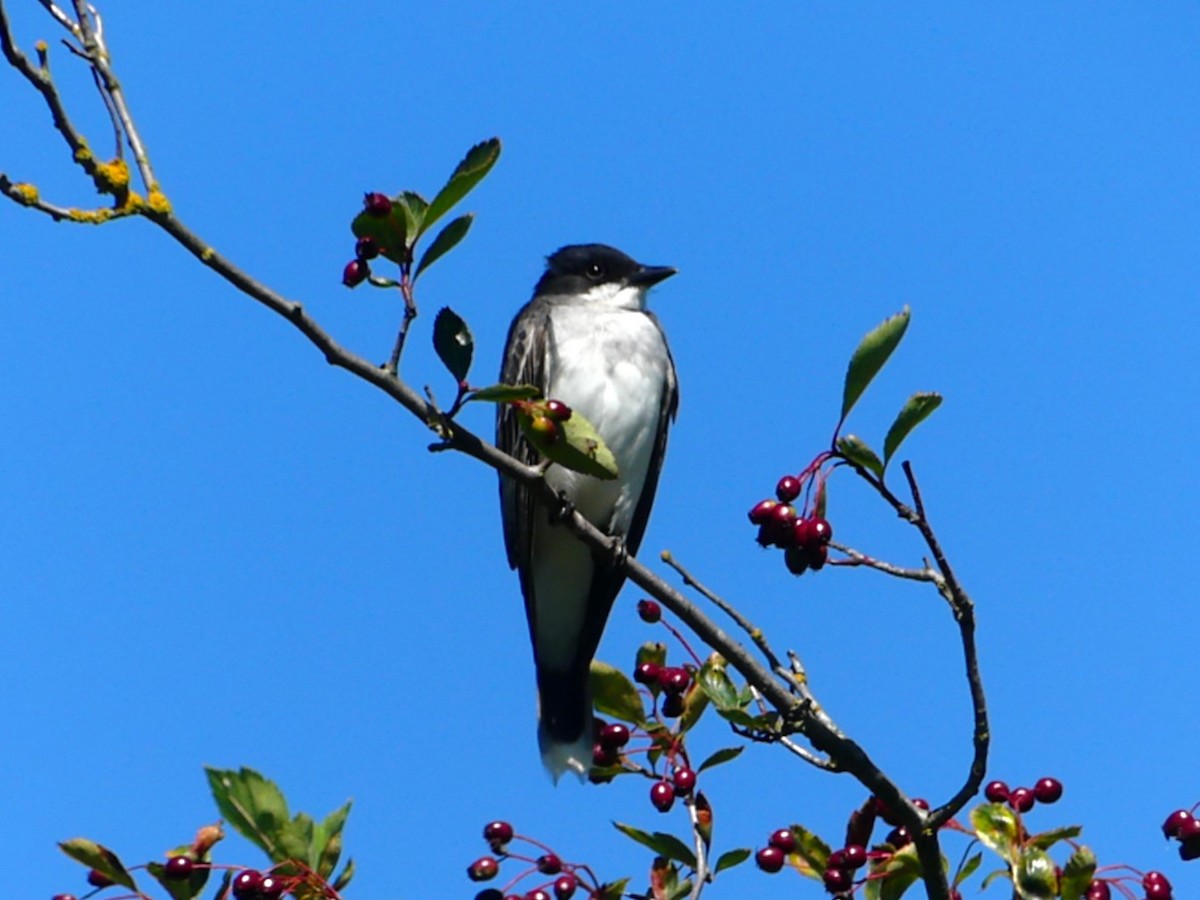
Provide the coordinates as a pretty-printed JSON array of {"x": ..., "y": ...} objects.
[
  {"x": 157, "y": 202},
  {"x": 112, "y": 177},
  {"x": 25, "y": 193}
]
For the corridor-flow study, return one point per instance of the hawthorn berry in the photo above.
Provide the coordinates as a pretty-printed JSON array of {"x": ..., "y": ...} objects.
[
  {"x": 672, "y": 706},
  {"x": 483, "y": 869},
  {"x": 822, "y": 531},
  {"x": 855, "y": 856},
  {"x": 784, "y": 839},
  {"x": 98, "y": 879},
  {"x": 1189, "y": 829},
  {"x": 1098, "y": 890},
  {"x": 684, "y": 780},
  {"x": 355, "y": 273},
  {"x": 614, "y": 736},
  {"x": 649, "y": 611},
  {"x": 1189, "y": 849},
  {"x": 1174, "y": 823},
  {"x": 796, "y": 560},
  {"x": 565, "y": 886},
  {"x": 760, "y": 513},
  {"x": 549, "y": 864},
  {"x": 557, "y": 410},
  {"x": 1021, "y": 799},
  {"x": 1156, "y": 886},
  {"x": 674, "y": 680},
  {"x": 921, "y": 803},
  {"x": 996, "y": 792},
  {"x": 662, "y": 795},
  {"x": 377, "y": 205},
  {"x": 788, "y": 488},
  {"x": 1047, "y": 790},
  {"x": 497, "y": 833},
  {"x": 837, "y": 880},
  {"x": 538, "y": 894},
  {"x": 245, "y": 884},
  {"x": 603, "y": 756},
  {"x": 769, "y": 859},
  {"x": 817, "y": 557},
  {"x": 647, "y": 673},
  {"x": 837, "y": 860},
  {"x": 271, "y": 887},
  {"x": 489, "y": 894},
  {"x": 898, "y": 837},
  {"x": 63, "y": 897},
  {"x": 545, "y": 428},
  {"x": 178, "y": 867},
  {"x": 366, "y": 248}
]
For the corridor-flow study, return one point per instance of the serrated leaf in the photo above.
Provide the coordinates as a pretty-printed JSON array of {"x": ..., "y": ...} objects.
[
  {"x": 98, "y": 857},
  {"x": 856, "y": 450},
  {"x": 1047, "y": 839},
  {"x": 1077, "y": 874},
  {"x": 576, "y": 446},
  {"x": 695, "y": 702},
  {"x": 506, "y": 393},
  {"x": 719, "y": 757},
  {"x": 344, "y": 878},
  {"x": 413, "y": 207},
  {"x": 870, "y": 355},
  {"x": 663, "y": 844},
  {"x": 253, "y": 805},
  {"x": 180, "y": 888},
  {"x": 389, "y": 232},
  {"x": 453, "y": 343},
  {"x": 968, "y": 868},
  {"x": 811, "y": 848},
  {"x": 614, "y": 890},
  {"x": 996, "y": 827},
  {"x": 331, "y": 833},
  {"x": 731, "y": 858},
  {"x": 1034, "y": 877},
  {"x": 903, "y": 870},
  {"x": 915, "y": 411},
  {"x": 614, "y": 694},
  {"x": 714, "y": 681},
  {"x": 445, "y": 241},
  {"x": 474, "y": 166},
  {"x": 743, "y": 719}
]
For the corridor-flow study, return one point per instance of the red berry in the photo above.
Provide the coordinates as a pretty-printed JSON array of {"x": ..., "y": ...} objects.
[
  {"x": 1047, "y": 790},
  {"x": 996, "y": 791},
  {"x": 178, "y": 867},
  {"x": 1098, "y": 890},
  {"x": 557, "y": 410},
  {"x": 377, "y": 205},
  {"x": 662, "y": 795},
  {"x": 1021, "y": 799},
  {"x": 549, "y": 864},
  {"x": 366, "y": 248},
  {"x": 684, "y": 780},
  {"x": 565, "y": 886},
  {"x": 649, "y": 611},
  {"x": 245, "y": 883},
  {"x": 674, "y": 680},
  {"x": 898, "y": 837},
  {"x": 769, "y": 859},
  {"x": 63, "y": 897},
  {"x": 98, "y": 879},
  {"x": 817, "y": 556},
  {"x": 672, "y": 706},
  {"x": 921, "y": 803},
  {"x": 614, "y": 735},
  {"x": 355, "y": 273},
  {"x": 603, "y": 757},
  {"x": 647, "y": 673},
  {"x": 837, "y": 860},
  {"x": 483, "y": 869},
  {"x": 788, "y": 488},
  {"x": 796, "y": 560},
  {"x": 784, "y": 839},
  {"x": 1156, "y": 886},
  {"x": 539, "y": 894},
  {"x": 1175, "y": 821},
  {"x": 497, "y": 833},
  {"x": 490, "y": 894},
  {"x": 1189, "y": 829},
  {"x": 856, "y": 856},
  {"x": 837, "y": 880},
  {"x": 822, "y": 531},
  {"x": 1189, "y": 849},
  {"x": 271, "y": 887},
  {"x": 760, "y": 513}
]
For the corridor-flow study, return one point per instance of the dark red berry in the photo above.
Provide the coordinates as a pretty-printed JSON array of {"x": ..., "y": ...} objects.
[
  {"x": 557, "y": 410},
  {"x": 483, "y": 869},
  {"x": 898, "y": 837},
  {"x": 603, "y": 757},
  {"x": 784, "y": 839},
  {"x": 796, "y": 560},
  {"x": 565, "y": 886},
  {"x": 490, "y": 894},
  {"x": 884, "y": 812},
  {"x": 921, "y": 803},
  {"x": 1021, "y": 799},
  {"x": 783, "y": 514},
  {"x": 615, "y": 735},
  {"x": 817, "y": 557},
  {"x": 377, "y": 205},
  {"x": 672, "y": 706},
  {"x": 769, "y": 859},
  {"x": 837, "y": 880},
  {"x": 649, "y": 611},
  {"x": 1047, "y": 790},
  {"x": 662, "y": 795},
  {"x": 674, "y": 680},
  {"x": 788, "y": 488},
  {"x": 549, "y": 864},
  {"x": 1175, "y": 821},
  {"x": 684, "y": 780},
  {"x": 245, "y": 884},
  {"x": 366, "y": 248},
  {"x": 821, "y": 531},
  {"x": 760, "y": 513},
  {"x": 538, "y": 894},
  {"x": 96, "y": 878},
  {"x": 1098, "y": 890},
  {"x": 355, "y": 273},
  {"x": 63, "y": 897},
  {"x": 647, "y": 673},
  {"x": 497, "y": 832},
  {"x": 271, "y": 887},
  {"x": 1156, "y": 886},
  {"x": 856, "y": 856},
  {"x": 178, "y": 867},
  {"x": 1189, "y": 848},
  {"x": 1189, "y": 829},
  {"x": 996, "y": 791},
  {"x": 837, "y": 860}
]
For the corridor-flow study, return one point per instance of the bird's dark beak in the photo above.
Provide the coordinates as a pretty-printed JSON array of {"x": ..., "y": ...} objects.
[{"x": 647, "y": 276}]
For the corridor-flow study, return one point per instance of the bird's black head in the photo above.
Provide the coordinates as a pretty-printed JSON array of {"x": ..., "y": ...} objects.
[{"x": 579, "y": 268}]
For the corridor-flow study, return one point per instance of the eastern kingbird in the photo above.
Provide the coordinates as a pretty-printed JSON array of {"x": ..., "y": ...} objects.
[{"x": 585, "y": 339}]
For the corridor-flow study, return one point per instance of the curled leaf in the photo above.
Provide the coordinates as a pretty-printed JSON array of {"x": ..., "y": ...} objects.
[
  {"x": 474, "y": 166},
  {"x": 915, "y": 411},
  {"x": 870, "y": 355},
  {"x": 856, "y": 450}
]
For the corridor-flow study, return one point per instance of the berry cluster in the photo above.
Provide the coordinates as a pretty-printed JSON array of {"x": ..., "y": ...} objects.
[
  {"x": 1021, "y": 799},
  {"x": 545, "y": 417},
  {"x": 803, "y": 537},
  {"x": 250, "y": 884},
  {"x": 1155, "y": 886},
  {"x": 1183, "y": 826},
  {"x": 564, "y": 879},
  {"x": 359, "y": 269}
]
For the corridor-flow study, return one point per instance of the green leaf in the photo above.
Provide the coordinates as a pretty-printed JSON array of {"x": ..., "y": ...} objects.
[
  {"x": 811, "y": 848},
  {"x": 613, "y": 694},
  {"x": 1033, "y": 876},
  {"x": 652, "y": 651},
  {"x": 344, "y": 878},
  {"x": 716, "y": 684},
  {"x": 506, "y": 393},
  {"x": 683, "y": 889},
  {"x": 445, "y": 241},
  {"x": 100, "y": 858},
  {"x": 331, "y": 830},
  {"x": 254, "y": 806},
  {"x": 993, "y": 875},
  {"x": 663, "y": 844},
  {"x": 576, "y": 446},
  {"x": 614, "y": 890},
  {"x": 903, "y": 871},
  {"x": 695, "y": 702},
  {"x": 731, "y": 858},
  {"x": 474, "y": 166},
  {"x": 415, "y": 209},
  {"x": 968, "y": 869},
  {"x": 996, "y": 827},
  {"x": 872, "y": 352},
  {"x": 856, "y": 450},
  {"x": 453, "y": 342},
  {"x": 915, "y": 411},
  {"x": 1047, "y": 839},
  {"x": 180, "y": 888},
  {"x": 389, "y": 232},
  {"x": 1077, "y": 874},
  {"x": 719, "y": 757}
]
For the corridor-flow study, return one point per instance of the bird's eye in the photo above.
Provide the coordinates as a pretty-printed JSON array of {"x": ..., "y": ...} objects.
[{"x": 595, "y": 271}]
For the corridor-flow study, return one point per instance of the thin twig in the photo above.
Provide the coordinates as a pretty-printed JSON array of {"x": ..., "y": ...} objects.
[{"x": 861, "y": 559}]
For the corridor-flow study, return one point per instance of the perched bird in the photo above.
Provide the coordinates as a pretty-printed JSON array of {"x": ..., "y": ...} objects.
[{"x": 587, "y": 340}]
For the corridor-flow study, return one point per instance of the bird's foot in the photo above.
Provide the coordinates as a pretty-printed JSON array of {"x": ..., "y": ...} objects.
[{"x": 618, "y": 551}]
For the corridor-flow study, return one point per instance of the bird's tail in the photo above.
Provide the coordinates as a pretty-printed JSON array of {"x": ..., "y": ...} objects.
[{"x": 565, "y": 723}]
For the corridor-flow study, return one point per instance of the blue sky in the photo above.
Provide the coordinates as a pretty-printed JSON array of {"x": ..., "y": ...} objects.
[{"x": 219, "y": 550}]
